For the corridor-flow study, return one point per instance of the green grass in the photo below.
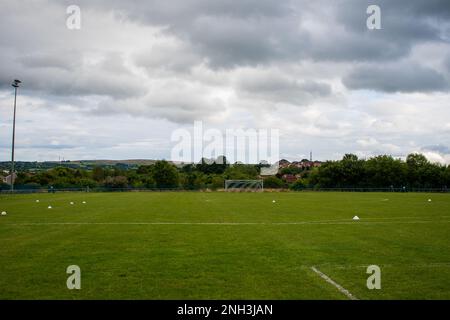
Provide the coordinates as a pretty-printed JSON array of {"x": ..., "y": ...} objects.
[{"x": 252, "y": 248}]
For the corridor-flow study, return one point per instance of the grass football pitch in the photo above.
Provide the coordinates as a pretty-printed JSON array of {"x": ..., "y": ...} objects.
[{"x": 193, "y": 245}]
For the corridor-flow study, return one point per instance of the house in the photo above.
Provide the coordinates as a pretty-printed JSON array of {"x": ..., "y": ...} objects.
[
  {"x": 310, "y": 164},
  {"x": 297, "y": 164},
  {"x": 289, "y": 178},
  {"x": 283, "y": 163},
  {"x": 303, "y": 164}
]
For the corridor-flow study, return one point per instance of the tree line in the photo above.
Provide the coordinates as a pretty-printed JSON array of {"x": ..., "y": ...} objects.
[
  {"x": 350, "y": 172},
  {"x": 379, "y": 172}
]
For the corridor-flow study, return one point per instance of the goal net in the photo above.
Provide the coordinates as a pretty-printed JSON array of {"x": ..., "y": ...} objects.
[{"x": 244, "y": 185}]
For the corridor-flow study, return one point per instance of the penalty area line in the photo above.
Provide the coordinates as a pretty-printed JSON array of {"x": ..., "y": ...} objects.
[{"x": 334, "y": 283}]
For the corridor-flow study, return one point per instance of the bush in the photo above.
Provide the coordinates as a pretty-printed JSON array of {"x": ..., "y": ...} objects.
[
  {"x": 297, "y": 185},
  {"x": 217, "y": 182},
  {"x": 165, "y": 175},
  {"x": 116, "y": 182},
  {"x": 273, "y": 183}
]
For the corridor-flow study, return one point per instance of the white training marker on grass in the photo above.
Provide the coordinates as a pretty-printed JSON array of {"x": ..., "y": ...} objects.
[
  {"x": 273, "y": 201},
  {"x": 49, "y": 207},
  {"x": 3, "y": 213},
  {"x": 71, "y": 203},
  {"x": 355, "y": 218},
  {"x": 84, "y": 202},
  {"x": 429, "y": 200},
  {"x": 37, "y": 201}
]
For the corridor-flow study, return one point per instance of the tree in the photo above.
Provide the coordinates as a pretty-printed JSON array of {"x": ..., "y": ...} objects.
[
  {"x": 328, "y": 175},
  {"x": 98, "y": 174},
  {"x": 416, "y": 169},
  {"x": 86, "y": 182},
  {"x": 352, "y": 171},
  {"x": 194, "y": 181},
  {"x": 297, "y": 185},
  {"x": 116, "y": 182},
  {"x": 218, "y": 166},
  {"x": 273, "y": 183},
  {"x": 416, "y": 160},
  {"x": 217, "y": 182},
  {"x": 165, "y": 174},
  {"x": 446, "y": 176},
  {"x": 144, "y": 170},
  {"x": 384, "y": 172},
  {"x": 241, "y": 172}
]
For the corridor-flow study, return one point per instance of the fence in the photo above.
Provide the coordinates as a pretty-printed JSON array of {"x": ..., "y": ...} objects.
[{"x": 180, "y": 189}]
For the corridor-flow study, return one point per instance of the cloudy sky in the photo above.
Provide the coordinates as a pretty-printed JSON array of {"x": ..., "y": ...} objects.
[{"x": 138, "y": 70}]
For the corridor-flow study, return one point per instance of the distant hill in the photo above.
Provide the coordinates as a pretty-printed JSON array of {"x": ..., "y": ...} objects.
[
  {"x": 105, "y": 162},
  {"x": 84, "y": 164}
]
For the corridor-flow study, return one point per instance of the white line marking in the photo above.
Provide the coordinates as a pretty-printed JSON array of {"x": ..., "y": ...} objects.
[
  {"x": 337, "y": 285},
  {"x": 403, "y": 217},
  {"x": 364, "y": 222},
  {"x": 230, "y": 223},
  {"x": 405, "y": 265}
]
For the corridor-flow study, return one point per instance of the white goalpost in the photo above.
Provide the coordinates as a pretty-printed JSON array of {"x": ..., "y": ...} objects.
[{"x": 244, "y": 185}]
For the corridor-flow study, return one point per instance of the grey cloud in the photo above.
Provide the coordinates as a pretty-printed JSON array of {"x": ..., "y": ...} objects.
[
  {"x": 316, "y": 88},
  {"x": 277, "y": 87},
  {"x": 177, "y": 57},
  {"x": 252, "y": 32},
  {"x": 402, "y": 77},
  {"x": 229, "y": 41},
  {"x": 405, "y": 24},
  {"x": 176, "y": 103},
  {"x": 60, "y": 60},
  {"x": 67, "y": 84},
  {"x": 447, "y": 63},
  {"x": 54, "y": 74},
  {"x": 183, "y": 106},
  {"x": 181, "y": 13},
  {"x": 402, "y": 20},
  {"x": 430, "y": 8}
]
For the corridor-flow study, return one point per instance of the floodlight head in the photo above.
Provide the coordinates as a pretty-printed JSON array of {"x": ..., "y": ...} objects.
[{"x": 16, "y": 83}]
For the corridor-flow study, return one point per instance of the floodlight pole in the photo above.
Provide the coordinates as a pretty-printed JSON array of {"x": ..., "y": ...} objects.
[{"x": 15, "y": 84}]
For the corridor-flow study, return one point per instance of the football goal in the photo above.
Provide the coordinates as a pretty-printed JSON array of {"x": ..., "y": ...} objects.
[{"x": 244, "y": 185}]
